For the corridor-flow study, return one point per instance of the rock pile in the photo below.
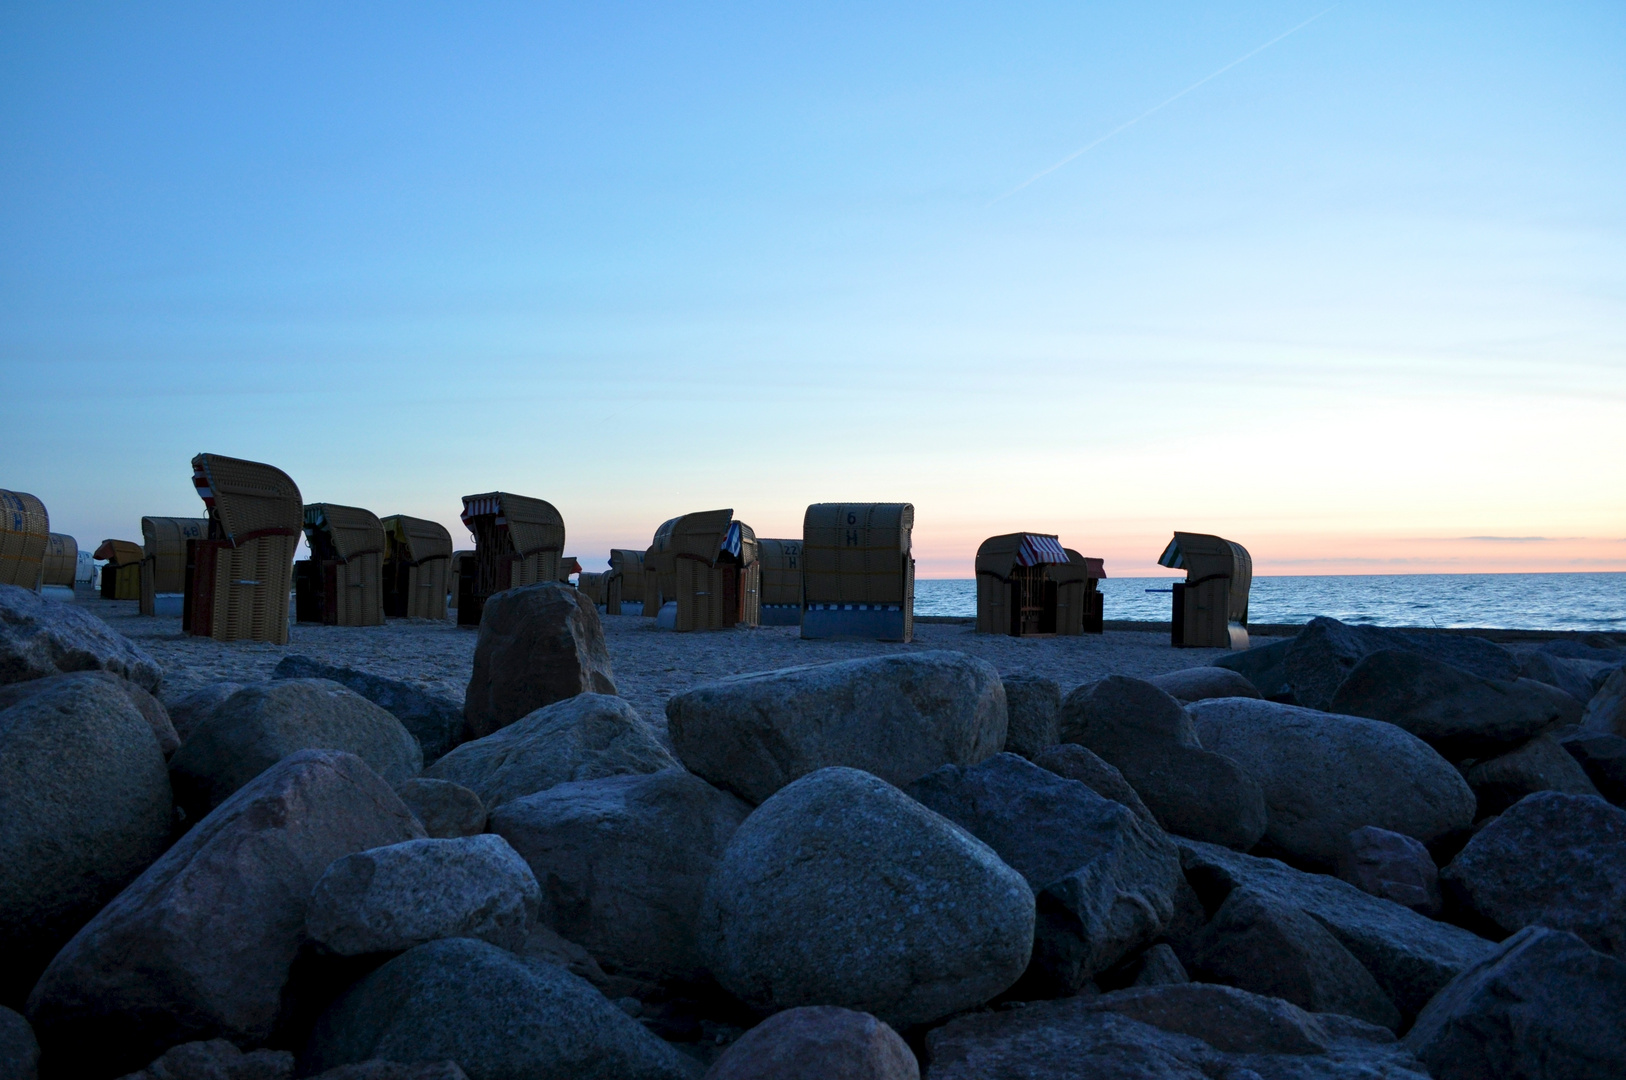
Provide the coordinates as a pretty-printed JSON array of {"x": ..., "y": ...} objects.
[{"x": 1355, "y": 853}]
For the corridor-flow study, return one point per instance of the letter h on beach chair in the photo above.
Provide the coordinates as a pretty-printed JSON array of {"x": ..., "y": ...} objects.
[
  {"x": 239, "y": 577},
  {"x": 1211, "y": 605},
  {"x": 858, "y": 576}
]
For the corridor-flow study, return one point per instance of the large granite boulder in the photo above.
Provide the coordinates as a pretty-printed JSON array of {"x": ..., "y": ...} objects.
[
  {"x": 499, "y": 1016},
  {"x": 1105, "y": 880},
  {"x": 818, "y": 1042},
  {"x": 202, "y": 944},
  {"x": 394, "y": 898},
  {"x": 538, "y": 644},
  {"x": 1555, "y": 860},
  {"x": 624, "y": 862},
  {"x": 1396, "y": 867},
  {"x": 1316, "y": 662},
  {"x": 1148, "y": 736},
  {"x": 1543, "y": 1004},
  {"x": 581, "y": 738},
  {"x": 1539, "y": 765},
  {"x": 1263, "y": 665},
  {"x": 19, "y": 1050},
  {"x": 1260, "y": 943},
  {"x": 897, "y": 717},
  {"x": 1324, "y": 775},
  {"x": 1188, "y": 1031},
  {"x": 261, "y": 724},
  {"x": 217, "y": 1059},
  {"x": 1032, "y": 709},
  {"x": 40, "y": 638},
  {"x": 151, "y": 709},
  {"x": 447, "y": 810},
  {"x": 1606, "y": 712},
  {"x": 1073, "y": 762},
  {"x": 1580, "y": 679},
  {"x": 1201, "y": 683},
  {"x": 1410, "y": 956},
  {"x": 1603, "y": 758},
  {"x": 192, "y": 709},
  {"x": 84, "y": 808},
  {"x": 1458, "y": 713},
  {"x": 436, "y": 722},
  {"x": 842, "y": 890}
]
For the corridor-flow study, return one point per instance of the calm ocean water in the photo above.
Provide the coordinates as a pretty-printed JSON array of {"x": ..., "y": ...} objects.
[{"x": 1514, "y": 601}]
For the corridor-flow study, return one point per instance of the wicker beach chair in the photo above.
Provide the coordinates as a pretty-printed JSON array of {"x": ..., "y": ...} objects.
[
  {"x": 238, "y": 578},
  {"x": 660, "y": 570},
  {"x": 517, "y": 541},
  {"x": 462, "y": 566},
  {"x": 163, "y": 563},
  {"x": 25, "y": 532},
  {"x": 858, "y": 577},
  {"x": 591, "y": 585},
  {"x": 1028, "y": 585},
  {"x": 1211, "y": 605},
  {"x": 715, "y": 573},
  {"x": 61, "y": 561},
  {"x": 417, "y": 567},
  {"x": 342, "y": 583},
  {"x": 121, "y": 577},
  {"x": 569, "y": 566},
  {"x": 781, "y": 582},
  {"x": 624, "y": 584}
]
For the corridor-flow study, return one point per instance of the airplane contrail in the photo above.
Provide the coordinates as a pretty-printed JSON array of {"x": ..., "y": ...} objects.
[{"x": 1162, "y": 104}]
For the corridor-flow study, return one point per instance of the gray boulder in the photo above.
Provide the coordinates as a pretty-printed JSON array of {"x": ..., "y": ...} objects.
[
  {"x": 1552, "y": 859},
  {"x": 1539, "y": 765},
  {"x": 1316, "y": 662},
  {"x": 1121, "y": 717},
  {"x": 1543, "y": 1004},
  {"x": 261, "y": 724},
  {"x": 1410, "y": 956},
  {"x": 897, "y": 717},
  {"x": 390, "y": 899},
  {"x": 581, "y": 738},
  {"x": 1188, "y": 1031},
  {"x": 150, "y": 708},
  {"x": 1156, "y": 966},
  {"x": 499, "y": 1016},
  {"x": 1200, "y": 683},
  {"x": 1264, "y": 667},
  {"x": 1260, "y": 943},
  {"x": 84, "y": 808},
  {"x": 190, "y": 710},
  {"x": 40, "y": 638},
  {"x": 1032, "y": 707},
  {"x": 538, "y": 644},
  {"x": 436, "y": 722},
  {"x": 1606, "y": 712},
  {"x": 624, "y": 862},
  {"x": 19, "y": 1052},
  {"x": 842, "y": 890},
  {"x": 1395, "y": 867},
  {"x": 1148, "y": 736},
  {"x": 447, "y": 810},
  {"x": 1458, "y": 713},
  {"x": 1603, "y": 757},
  {"x": 1579, "y": 679},
  {"x": 1104, "y": 879},
  {"x": 201, "y": 945},
  {"x": 1324, "y": 775},
  {"x": 1074, "y": 762},
  {"x": 217, "y": 1059},
  {"x": 818, "y": 1042}
]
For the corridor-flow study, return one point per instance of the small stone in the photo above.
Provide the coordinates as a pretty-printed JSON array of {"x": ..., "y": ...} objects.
[
  {"x": 1393, "y": 866},
  {"x": 1539, "y": 765},
  {"x": 447, "y": 810},
  {"x": 217, "y": 1059},
  {"x": 1604, "y": 759},
  {"x": 436, "y": 722},
  {"x": 1032, "y": 707},
  {"x": 818, "y": 1042},
  {"x": 1201, "y": 683},
  {"x": 1075, "y": 762}
]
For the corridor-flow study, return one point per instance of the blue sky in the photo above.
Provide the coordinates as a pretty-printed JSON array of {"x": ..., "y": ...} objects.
[{"x": 1357, "y": 302}]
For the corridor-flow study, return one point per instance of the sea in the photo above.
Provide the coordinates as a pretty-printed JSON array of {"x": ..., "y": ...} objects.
[{"x": 1490, "y": 601}]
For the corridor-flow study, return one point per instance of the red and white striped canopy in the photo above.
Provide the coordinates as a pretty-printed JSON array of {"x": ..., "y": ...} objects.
[{"x": 1039, "y": 550}]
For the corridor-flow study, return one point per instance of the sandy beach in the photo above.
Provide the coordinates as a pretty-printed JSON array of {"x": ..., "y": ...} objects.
[{"x": 650, "y": 664}]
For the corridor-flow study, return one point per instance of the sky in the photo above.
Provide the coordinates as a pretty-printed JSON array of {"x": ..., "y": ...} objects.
[{"x": 1355, "y": 299}]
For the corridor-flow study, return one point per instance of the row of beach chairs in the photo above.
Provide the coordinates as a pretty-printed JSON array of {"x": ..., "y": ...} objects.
[{"x": 850, "y": 576}]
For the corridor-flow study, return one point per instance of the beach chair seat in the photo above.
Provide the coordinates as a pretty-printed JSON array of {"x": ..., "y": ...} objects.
[
  {"x": 239, "y": 577},
  {"x": 1211, "y": 605},
  {"x": 417, "y": 567},
  {"x": 25, "y": 532},
  {"x": 858, "y": 575}
]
